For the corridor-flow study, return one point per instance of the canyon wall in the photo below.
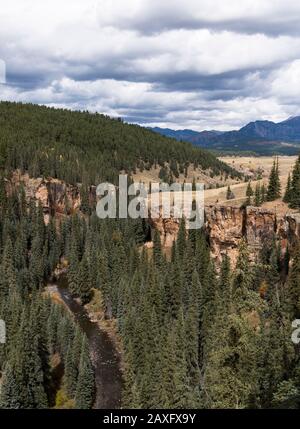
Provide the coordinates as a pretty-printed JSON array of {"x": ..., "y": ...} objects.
[
  {"x": 225, "y": 226},
  {"x": 54, "y": 195}
]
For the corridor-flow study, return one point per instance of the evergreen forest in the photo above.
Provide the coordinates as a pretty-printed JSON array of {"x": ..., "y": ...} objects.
[{"x": 194, "y": 334}]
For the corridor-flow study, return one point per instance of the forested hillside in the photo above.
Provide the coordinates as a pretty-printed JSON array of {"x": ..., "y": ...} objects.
[
  {"x": 38, "y": 330},
  {"x": 193, "y": 334},
  {"x": 89, "y": 148},
  {"x": 191, "y": 337}
]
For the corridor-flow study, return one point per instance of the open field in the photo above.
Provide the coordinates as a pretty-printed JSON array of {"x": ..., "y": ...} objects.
[{"x": 249, "y": 166}]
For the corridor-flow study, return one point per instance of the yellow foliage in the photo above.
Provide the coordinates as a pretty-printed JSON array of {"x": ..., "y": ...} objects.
[
  {"x": 263, "y": 289},
  {"x": 63, "y": 401}
]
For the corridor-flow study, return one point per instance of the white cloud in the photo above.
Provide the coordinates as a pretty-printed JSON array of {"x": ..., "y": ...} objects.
[
  {"x": 153, "y": 14},
  {"x": 285, "y": 83},
  {"x": 213, "y": 64}
]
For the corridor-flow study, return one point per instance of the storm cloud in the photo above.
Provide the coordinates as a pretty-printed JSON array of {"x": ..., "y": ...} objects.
[{"x": 206, "y": 64}]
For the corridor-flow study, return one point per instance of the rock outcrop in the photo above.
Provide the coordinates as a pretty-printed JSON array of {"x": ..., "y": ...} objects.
[
  {"x": 167, "y": 228},
  {"x": 55, "y": 196},
  {"x": 226, "y": 226}
]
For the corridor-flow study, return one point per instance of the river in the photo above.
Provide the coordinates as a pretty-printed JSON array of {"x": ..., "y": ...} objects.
[{"x": 104, "y": 356}]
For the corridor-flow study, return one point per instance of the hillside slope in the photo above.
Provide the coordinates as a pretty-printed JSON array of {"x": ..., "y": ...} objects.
[{"x": 80, "y": 146}]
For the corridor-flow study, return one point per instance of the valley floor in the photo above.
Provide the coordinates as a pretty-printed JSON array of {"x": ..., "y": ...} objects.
[{"x": 251, "y": 166}]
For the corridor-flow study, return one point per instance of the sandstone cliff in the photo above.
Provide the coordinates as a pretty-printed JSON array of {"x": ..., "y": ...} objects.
[
  {"x": 225, "y": 226},
  {"x": 55, "y": 196}
]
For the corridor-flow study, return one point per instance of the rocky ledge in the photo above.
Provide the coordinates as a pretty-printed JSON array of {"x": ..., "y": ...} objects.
[{"x": 226, "y": 226}]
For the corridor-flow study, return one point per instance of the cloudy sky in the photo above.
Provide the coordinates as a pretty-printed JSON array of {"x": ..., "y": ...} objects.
[{"x": 200, "y": 64}]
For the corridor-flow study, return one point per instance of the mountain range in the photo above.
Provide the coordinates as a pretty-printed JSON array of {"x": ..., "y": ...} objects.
[{"x": 262, "y": 137}]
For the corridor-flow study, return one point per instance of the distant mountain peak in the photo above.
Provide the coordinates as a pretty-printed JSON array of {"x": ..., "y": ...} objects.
[
  {"x": 291, "y": 119},
  {"x": 261, "y": 136}
]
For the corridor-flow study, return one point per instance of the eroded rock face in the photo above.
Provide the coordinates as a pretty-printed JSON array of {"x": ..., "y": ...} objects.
[
  {"x": 225, "y": 230},
  {"x": 55, "y": 196},
  {"x": 288, "y": 230},
  {"x": 260, "y": 224},
  {"x": 226, "y": 226},
  {"x": 168, "y": 230}
]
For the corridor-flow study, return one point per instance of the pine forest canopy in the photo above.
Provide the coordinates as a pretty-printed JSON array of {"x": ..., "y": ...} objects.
[
  {"x": 194, "y": 335},
  {"x": 83, "y": 147},
  {"x": 191, "y": 338}
]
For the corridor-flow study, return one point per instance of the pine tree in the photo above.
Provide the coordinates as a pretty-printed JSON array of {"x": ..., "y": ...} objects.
[
  {"x": 249, "y": 193},
  {"x": 288, "y": 191},
  {"x": 70, "y": 372},
  {"x": 194, "y": 184},
  {"x": 35, "y": 383},
  {"x": 263, "y": 193},
  {"x": 242, "y": 282},
  {"x": 84, "y": 196},
  {"x": 149, "y": 388},
  {"x": 295, "y": 191},
  {"x": 181, "y": 239},
  {"x": 274, "y": 186},
  {"x": 73, "y": 272},
  {"x": 229, "y": 194},
  {"x": 192, "y": 338},
  {"x": 84, "y": 285},
  {"x": 157, "y": 250},
  {"x": 286, "y": 396},
  {"x": 130, "y": 392},
  {"x": 85, "y": 384},
  {"x": 275, "y": 351},
  {"x": 32, "y": 371},
  {"x": 10, "y": 396},
  {"x": 293, "y": 287},
  {"x": 174, "y": 287},
  {"x": 181, "y": 394},
  {"x": 224, "y": 291},
  {"x": 231, "y": 379},
  {"x": 257, "y": 195},
  {"x": 7, "y": 269}
]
